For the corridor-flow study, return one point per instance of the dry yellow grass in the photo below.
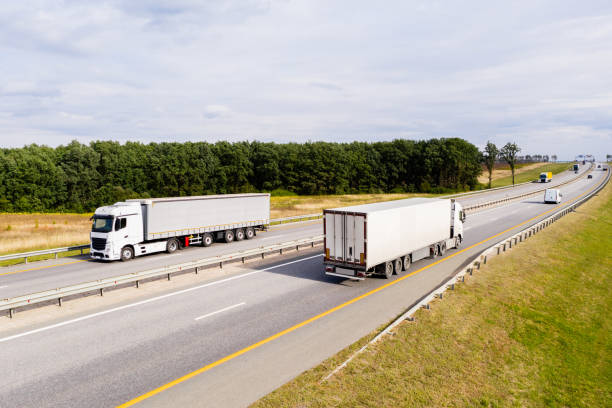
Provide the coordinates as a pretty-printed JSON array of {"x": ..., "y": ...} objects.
[
  {"x": 504, "y": 171},
  {"x": 26, "y": 232},
  {"x": 298, "y": 205}
]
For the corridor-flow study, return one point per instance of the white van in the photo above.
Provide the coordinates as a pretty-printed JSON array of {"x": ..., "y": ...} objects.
[{"x": 552, "y": 195}]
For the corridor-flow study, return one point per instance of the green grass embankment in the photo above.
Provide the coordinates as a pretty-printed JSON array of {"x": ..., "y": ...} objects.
[
  {"x": 530, "y": 329},
  {"x": 532, "y": 174}
]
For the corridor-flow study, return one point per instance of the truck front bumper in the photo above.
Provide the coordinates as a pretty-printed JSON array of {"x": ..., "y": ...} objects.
[{"x": 105, "y": 254}]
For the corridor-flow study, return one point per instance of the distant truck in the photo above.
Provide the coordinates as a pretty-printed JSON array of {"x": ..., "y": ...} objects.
[
  {"x": 546, "y": 177},
  {"x": 552, "y": 195},
  {"x": 144, "y": 226},
  {"x": 385, "y": 238},
  {"x": 576, "y": 168}
]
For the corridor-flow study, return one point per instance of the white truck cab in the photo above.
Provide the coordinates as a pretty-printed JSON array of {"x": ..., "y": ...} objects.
[
  {"x": 116, "y": 227},
  {"x": 552, "y": 195}
]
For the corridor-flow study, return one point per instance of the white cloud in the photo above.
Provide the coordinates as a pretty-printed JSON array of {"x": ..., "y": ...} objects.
[{"x": 307, "y": 70}]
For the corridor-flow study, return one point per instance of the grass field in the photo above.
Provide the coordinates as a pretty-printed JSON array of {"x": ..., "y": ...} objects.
[
  {"x": 530, "y": 329},
  {"x": 530, "y": 173},
  {"x": 288, "y": 206}
]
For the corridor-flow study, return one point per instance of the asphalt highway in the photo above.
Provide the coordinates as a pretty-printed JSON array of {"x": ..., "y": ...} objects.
[
  {"x": 241, "y": 336},
  {"x": 46, "y": 275}
]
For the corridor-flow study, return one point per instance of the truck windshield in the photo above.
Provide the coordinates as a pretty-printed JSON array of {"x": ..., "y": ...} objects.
[{"x": 102, "y": 224}]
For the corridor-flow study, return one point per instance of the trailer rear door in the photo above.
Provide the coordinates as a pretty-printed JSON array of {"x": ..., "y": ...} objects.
[{"x": 345, "y": 237}]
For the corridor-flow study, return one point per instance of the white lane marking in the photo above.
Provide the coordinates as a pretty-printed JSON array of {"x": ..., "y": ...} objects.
[
  {"x": 2, "y": 287},
  {"x": 142, "y": 302},
  {"x": 219, "y": 311}
]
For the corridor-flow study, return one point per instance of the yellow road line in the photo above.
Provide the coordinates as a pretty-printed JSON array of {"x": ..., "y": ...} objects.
[
  {"x": 43, "y": 267},
  {"x": 323, "y": 314}
]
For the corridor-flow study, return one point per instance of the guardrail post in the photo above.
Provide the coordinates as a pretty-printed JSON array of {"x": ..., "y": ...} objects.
[
  {"x": 297, "y": 247},
  {"x": 262, "y": 255},
  {"x": 101, "y": 291},
  {"x": 26, "y": 259},
  {"x": 59, "y": 302},
  {"x": 56, "y": 255},
  {"x": 221, "y": 265},
  {"x": 11, "y": 313},
  {"x": 137, "y": 284},
  {"x": 281, "y": 251},
  {"x": 498, "y": 249},
  {"x": 484, "y": 261},
  {"x": 477, "y": 265},
  {"x": 81, "y": 251},
  {"x": 312, "y": 244},
  {"x": 168, "y": 276},
  {"x": 470, "y": 270}
]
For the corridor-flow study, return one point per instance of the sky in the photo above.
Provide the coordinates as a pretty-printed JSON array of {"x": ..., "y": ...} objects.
[{"x": 537, "y": 73}]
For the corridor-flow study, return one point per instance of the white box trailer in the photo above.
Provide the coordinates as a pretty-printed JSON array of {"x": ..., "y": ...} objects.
[
  {"x": 142, "y": 226},
  {"x": 384, "y": 238}
]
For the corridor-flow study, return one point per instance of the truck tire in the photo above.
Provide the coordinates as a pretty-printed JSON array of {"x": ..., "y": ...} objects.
[
  {"x": 172, "y": 245},
  {"x": 239, "y": 234},
  {"x": 249, "y": 233},
  {"x": 406, "y": 260},
  {"x": 397, "y": 266},
  {"x": 388, "y": 270},
  {"x": 433, "y": 251},
  {"x": 127, "y": 253},
  {"x": 207, "y": 240},
  {"x": 442, "y": 249},
  {"x": 229, "y": 236}
]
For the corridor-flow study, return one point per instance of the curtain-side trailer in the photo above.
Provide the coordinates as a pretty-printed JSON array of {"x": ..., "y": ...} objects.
[
  {"x": 143, "y": 226},
  {"x": 385, "y": 238}
]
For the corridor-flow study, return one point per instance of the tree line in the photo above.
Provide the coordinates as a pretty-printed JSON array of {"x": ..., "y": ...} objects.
[{"x": 78, "y": 177}]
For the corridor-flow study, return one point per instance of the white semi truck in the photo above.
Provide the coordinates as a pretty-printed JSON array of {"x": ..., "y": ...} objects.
[
  {"x": 385, "y": 238},
  {"x": 143, "y": 226}
]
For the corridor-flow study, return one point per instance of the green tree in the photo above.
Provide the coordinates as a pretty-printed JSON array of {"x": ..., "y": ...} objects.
[
  {"x": 489, "y": 156},
  {"x": 508, "y": 153}
]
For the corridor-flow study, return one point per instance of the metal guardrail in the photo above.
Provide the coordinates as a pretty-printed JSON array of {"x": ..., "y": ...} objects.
[
  {"x": 56, "y": 251},
  {"x": 296, "y": 218},
  {"x": 11, "y": 304},
  {"x": 479, "y": 260},
  {"x": 51, "y": 251}
]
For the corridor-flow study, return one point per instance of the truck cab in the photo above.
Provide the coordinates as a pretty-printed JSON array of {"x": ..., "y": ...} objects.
[
  {"x": 116, "y": 230},
  {"x": 546, "y": 177}
]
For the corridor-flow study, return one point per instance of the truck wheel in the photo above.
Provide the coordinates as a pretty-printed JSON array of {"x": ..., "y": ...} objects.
[
  {"x": 249, "y": 233},
  {"x": 397, "y": 266},
  {"x": 442, "y": 249},
  {"x": 458, "y": 242},
  {"x": 239, "y": 234},
  {"x": 433, "y": 251},
  {"x": 406, "y": 262},
  {"x": 207, "y": 240},
  {"x": 127, "y": 253},
  {"x": 229, "y": 236},
  {"x": 172, "y": 245},
  {"x": 388, "y": 270}
]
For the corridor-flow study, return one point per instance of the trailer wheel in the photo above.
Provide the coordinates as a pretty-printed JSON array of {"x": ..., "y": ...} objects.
[
  {"x": 172, "y": 245},
  {"x": 397, "y": 266},
  {"x": 207, "y": 240},
  {"x": 229, "y": 236},
  {"x": 239, "y": 234},
  {"x": 406, "y": 262},
  {"x": 250, "y": 233},
  {"x": 388, "y": 270},
  {"x": 442, "y": 249},
  {"x": 433, "y": 251},
  {"x": 127, "y": 253}
]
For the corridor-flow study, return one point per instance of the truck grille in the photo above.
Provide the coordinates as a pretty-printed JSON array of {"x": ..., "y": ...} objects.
[{"x": 98, "y": 243}]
